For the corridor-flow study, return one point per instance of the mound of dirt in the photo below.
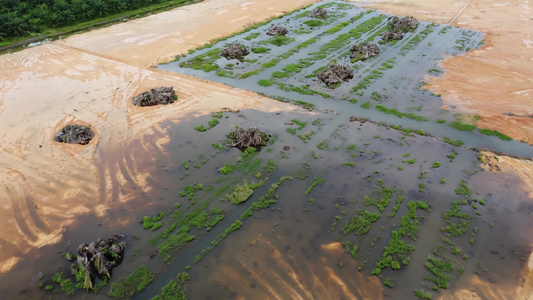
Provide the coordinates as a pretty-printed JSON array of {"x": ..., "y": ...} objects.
[
  {"x": 252, "y": 137},
  {"x": 235, "y": 50},
  {"x": 277, "y": 30},
  {"x": 319, "y": 13},
  {"x": 335, "y": 74},
  {"x": 75, "y": 134},
  {"x": 161, "y": 95},
  {"x": 97, "y": 258},
  {"x": 364, "y": 52}
]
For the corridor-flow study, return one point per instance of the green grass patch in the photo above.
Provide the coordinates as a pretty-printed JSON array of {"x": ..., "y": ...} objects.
[
  {"x": 313, "y": 23},
  {"x": 134, "y": 283},
  {"x": 279, "y": 40},
  {"x": 397, "y": 250},
  {"x": 265, "y": 83},
  {"x": 174, "y": 243},
  {"x": 463, "y": 189},
  {"x": 393, "y": 111},
  {"x": 452, "y": 142},
  {"x": 200, "y": 128},
  {"x": 458, "y": 221},
  {"x": 205, "y": 62},
  {"x": 226, "y": 169},
  {"x": 173, "y": 290},
  {"x": 440, "y": 269},
  {"x": 423, "y": 295},
  {"x": 316, "y": 181},
  {"x": 361, "y": 222},
  {"x": 67, "y": 286},
  {"x": 240, "y": 193},
  {"x": 462, "y": 126},
  {"x": 259, "y": 50},
  {"x": 490, "y": 132}
]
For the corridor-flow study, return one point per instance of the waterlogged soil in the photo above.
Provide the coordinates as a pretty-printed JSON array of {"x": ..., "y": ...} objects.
[
  {"x": 312, "y": 240},
  {"x": 296, "y": 247},
  {"x": 386, "y": 88}
]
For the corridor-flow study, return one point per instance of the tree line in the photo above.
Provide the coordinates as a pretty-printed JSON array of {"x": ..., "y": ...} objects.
[{"x": 22, "y": 18}]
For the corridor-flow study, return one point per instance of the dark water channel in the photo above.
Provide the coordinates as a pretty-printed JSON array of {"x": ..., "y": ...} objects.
[{"x": 296, "y": 247}]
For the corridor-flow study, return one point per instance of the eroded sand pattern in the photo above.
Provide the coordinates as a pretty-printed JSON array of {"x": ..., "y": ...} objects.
[{"x": 90, "y": 78}]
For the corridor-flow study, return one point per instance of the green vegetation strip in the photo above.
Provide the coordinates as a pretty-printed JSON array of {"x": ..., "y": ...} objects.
[
  {"x": 173, "y": 290},
  {"x": 394, "y": 111},
  {"x": 134, "y": 283},
  {"x": 397, "y": 251}
]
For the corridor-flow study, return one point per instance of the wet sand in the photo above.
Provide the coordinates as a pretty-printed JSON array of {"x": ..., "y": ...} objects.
[{"x": 90, "y": 79}]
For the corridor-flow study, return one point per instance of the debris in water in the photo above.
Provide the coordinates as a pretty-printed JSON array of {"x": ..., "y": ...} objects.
[
  {"x": 235, "y": 50},
  {"x": 277, "y": 30},
  {"x": 364, "y": 52},
  {"x": 335, "y": 74},
  {"x": 97, "y": 258},
  {"x": 319, "y": 13},
  {"x": 252, "y": 137}
]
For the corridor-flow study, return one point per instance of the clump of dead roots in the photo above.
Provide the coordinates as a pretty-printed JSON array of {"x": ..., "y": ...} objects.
[
  {"x": 277, "y": 30},
  {"x": 399, "y": 26},
  {"x": 155, "y": 96},
  {"x": 364, "y": 52},
  {"x": 75, "y": 134},
  {"x": 235, "y": 50},
  {"x": 97, "y": 259},
  {"x": 253, "y": 137},
  {"x": 406, "y": 24},
  {"x": 335, "y": 74}
]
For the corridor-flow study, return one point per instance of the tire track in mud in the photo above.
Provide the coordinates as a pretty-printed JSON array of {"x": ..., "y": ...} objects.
[{"x": 458, "y": 14}]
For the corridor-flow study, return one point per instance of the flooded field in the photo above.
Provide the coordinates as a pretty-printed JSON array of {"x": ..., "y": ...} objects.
[{"x": 370, "y": 191}]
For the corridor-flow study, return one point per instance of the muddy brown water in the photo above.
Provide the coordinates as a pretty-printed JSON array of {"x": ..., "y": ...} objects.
[
  {"x": 290, "y": 250},
  {"x": 294, "y": 249}
]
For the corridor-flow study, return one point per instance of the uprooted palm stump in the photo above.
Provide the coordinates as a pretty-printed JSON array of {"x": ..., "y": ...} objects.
[
  {"x": 155, "y": 96},
  {"x": 253, "y": 137},
  {"x": 97, "y": 259},
  {"x": 406, "y": 24},
  {"x": 335, "y": 74},
  {"x": 235, "y": 50},
  {"x": 277, "y": 30},
  {"x": 319, "y": 13},
  {"x": 397, "y": 28},
  {"x": 75, "y": 134},
  {"x": 364, "y": 52}
]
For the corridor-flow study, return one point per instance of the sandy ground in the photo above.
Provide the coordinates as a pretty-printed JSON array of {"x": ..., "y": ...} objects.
[{"x": 90, "y": 79}]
